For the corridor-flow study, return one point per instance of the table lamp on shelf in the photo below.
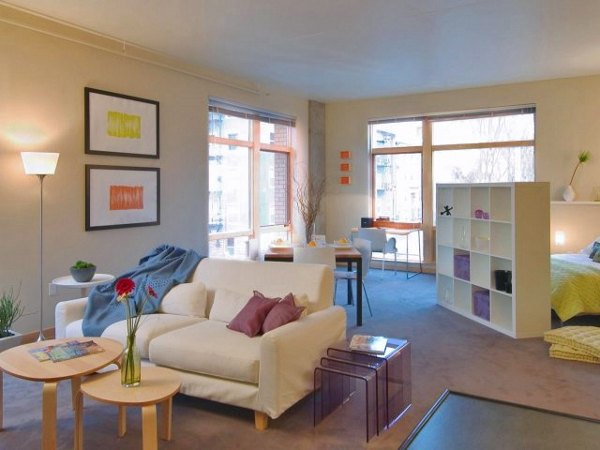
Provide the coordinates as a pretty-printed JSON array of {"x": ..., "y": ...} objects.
[{"x": 40, "y": 164}]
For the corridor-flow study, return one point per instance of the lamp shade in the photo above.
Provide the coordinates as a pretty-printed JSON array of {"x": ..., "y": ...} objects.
[{"x": 38, "y": 163}]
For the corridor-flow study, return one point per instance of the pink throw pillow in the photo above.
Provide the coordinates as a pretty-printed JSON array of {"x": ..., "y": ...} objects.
[
  {"x": 251, "y": 317},
  {"x": 285, "y": 311}
]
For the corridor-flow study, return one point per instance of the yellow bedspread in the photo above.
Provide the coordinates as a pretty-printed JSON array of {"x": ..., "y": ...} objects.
[{"x": 575, "y": 289}]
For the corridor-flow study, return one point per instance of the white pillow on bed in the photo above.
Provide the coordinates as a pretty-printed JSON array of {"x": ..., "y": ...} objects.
[{"x": 588, "y": 248}]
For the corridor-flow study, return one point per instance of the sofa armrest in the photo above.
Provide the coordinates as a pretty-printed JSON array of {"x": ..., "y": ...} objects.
[
  {"x": 289, "y": 355},
  {"x": 67, "y": 312}
]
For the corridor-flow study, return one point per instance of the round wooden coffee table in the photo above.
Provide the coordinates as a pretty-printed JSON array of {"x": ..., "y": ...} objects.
[
  {"x": 158, "y": 385},
  {"x": 19, "y": 363}
]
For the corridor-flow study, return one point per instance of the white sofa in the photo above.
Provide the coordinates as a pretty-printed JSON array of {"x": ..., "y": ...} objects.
[{"x": 267, "y": 373}]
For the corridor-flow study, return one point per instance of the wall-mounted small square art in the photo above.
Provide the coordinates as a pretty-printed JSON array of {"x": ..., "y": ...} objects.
[
  {"x": 345, "y": 180},
  {"x": 345, "y": 154},
  {"x": 345, "y": 167}
]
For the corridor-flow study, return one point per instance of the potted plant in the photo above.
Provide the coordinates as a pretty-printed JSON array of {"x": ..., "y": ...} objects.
[
  {"x": 82, "y": 271},
  {"x": 10, "y": 311},
  {"x": 569, "y": 192}
]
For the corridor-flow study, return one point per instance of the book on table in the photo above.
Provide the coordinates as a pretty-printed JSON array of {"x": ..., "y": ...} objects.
[
  {"x": 65, "y": 351},
  {"x": 368, "y": 344}
]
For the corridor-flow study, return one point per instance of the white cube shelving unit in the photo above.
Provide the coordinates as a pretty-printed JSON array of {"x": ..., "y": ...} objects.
[{"x": 510, "y": 231}]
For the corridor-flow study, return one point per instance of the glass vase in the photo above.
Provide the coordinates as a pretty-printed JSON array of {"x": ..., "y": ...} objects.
[{"x": 131, "y": 366}]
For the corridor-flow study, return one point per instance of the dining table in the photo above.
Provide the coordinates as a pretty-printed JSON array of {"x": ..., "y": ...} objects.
[{"x": 343, "y": 254}]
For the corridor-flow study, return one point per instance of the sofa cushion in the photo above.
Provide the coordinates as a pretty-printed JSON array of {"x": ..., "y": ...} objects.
[
  {"x": 285, "y": 311},
  {"x": 250, "y": 319},
  {"x": 226, "y": 305},
  {"x": 151, "y": 326},
  {"x": 209, "y": 348},
  {"x": 313, "y": 281},
  {"x": 185, "y": 299}
]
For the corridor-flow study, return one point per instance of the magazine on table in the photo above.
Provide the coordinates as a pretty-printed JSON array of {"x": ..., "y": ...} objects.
[
  {"x": 65, "y": 351},
  {"x": 368, "y": 344}
]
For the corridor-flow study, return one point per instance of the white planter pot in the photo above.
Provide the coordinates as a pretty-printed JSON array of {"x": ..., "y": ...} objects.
[
  {"x": 10, "y": 341},
  {"x": 569, "y": 193}
]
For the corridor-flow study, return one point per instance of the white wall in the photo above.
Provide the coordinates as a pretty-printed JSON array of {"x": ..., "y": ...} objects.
[
  {"x": 567, "y": 117},
  {"x": 42, "y": 109}
]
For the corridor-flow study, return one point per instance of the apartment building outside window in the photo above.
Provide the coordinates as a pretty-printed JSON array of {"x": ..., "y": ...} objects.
[
  {"x": 249, "y": 177},
  {"x": 409, "y": 156}
]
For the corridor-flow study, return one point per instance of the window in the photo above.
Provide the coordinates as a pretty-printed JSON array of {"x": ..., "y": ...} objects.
[
  {"x": 482, "y": 147},
  {"x": 398, "y": 187},
  {"x": 397, "y": 148},
  {"x": 249, "y": 181}
]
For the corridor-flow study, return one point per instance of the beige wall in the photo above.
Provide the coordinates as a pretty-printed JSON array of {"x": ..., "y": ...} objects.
[
  {"x": 42, "y": 100},
  {"x": 568, "y": 114}
]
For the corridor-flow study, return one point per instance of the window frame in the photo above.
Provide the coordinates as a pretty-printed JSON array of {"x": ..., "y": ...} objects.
[
  {"x": 255, "y": 146},
  {"x": 427, "y": 150}
]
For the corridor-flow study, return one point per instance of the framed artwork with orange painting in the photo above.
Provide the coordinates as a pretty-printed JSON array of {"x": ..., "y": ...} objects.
[
  {"x": 120, "y": 125},
  {"x": 345, "y": 154},
  {"x": 120, "y": 197}
]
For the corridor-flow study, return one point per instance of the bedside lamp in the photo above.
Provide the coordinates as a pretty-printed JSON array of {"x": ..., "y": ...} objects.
[
  {"x": 559, "y": 238},
  {"x": 40, "y": 164}
]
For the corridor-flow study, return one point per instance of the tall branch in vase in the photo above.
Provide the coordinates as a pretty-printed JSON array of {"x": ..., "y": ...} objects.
[{"x": 309, "y": 194}]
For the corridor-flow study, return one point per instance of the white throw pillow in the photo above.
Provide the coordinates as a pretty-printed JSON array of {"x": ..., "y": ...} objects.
[
  {"x": 185, "y": 299},
  {"x": 227, "y": 304},
  {"x": 302, "y": 300},
  {"x": 588, "y": 248}
]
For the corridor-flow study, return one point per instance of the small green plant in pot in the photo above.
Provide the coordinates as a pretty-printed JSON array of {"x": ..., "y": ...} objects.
[
  {"x": 82, "y": 271},
  {"x": 10, "y": 311}
]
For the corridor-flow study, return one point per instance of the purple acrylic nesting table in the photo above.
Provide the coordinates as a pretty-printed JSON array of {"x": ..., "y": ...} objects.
[{"x": 386, "y": 379}]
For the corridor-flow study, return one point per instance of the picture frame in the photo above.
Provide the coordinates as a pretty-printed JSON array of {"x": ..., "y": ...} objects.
[
  {"x": 121, "y": 125},
  {"x": 121, "y": 197},
  {"x": 345, "y": 154}
]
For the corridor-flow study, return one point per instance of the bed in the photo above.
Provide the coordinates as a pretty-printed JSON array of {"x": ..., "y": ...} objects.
[{"x": 575, "y": 285}]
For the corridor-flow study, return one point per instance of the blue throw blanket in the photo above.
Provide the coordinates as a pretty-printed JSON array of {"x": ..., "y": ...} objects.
[{"x": 162, "y": 268}]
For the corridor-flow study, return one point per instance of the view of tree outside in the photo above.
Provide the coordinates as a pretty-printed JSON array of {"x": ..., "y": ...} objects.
[
  {"x": 487, "y": 148},
  {"x": 484, "y": 165}
]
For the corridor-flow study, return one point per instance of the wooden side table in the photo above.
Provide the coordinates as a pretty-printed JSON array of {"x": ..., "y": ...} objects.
[
  {"x": 158, "y": 385},
  {"x": 18, "y": 362}
]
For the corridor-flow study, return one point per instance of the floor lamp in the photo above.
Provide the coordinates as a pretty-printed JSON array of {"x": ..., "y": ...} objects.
[{"x": 40, "y": 164}]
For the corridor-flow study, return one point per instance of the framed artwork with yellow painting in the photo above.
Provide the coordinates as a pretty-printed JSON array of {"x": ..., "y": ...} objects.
[
  {"x": 120, "y": 197},
  {"x": 120, "y": 125}
]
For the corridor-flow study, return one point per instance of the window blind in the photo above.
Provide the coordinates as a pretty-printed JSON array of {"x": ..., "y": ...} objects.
[
  {"x": 230, "y": 108},
  {"x": 494, "y": 112}
]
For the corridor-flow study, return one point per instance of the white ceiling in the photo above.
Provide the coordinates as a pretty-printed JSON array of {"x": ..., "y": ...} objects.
[{"x": 346, "y": 49}]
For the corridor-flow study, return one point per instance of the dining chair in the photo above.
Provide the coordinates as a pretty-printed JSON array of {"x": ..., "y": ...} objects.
[
  {"x": 379, "y": 242},
  {"x": 364, "y": 248},
  {"x": 253, "y": 249},
  {"x": 315, "y": 255}
]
